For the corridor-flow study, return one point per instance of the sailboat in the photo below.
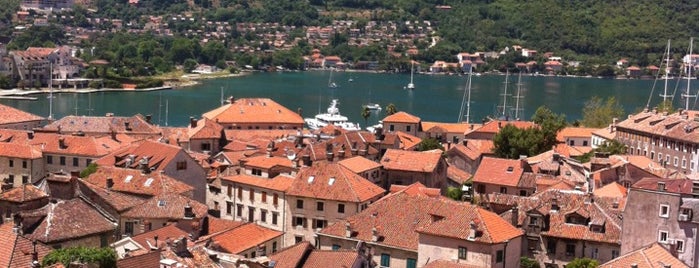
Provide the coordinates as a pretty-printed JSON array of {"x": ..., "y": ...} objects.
[
  {"x": 411, "y": 85},
  {"x": 518, "y": 110},
  {"x": 350, "y": 79},
  {"x": 502, "y": 114},
  {"x": 688, "y": 92},
  {"x": 466, "y": 101},
  {"x": 331, "y": 84}
]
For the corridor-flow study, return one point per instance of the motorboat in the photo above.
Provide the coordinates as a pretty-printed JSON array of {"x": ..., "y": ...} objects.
[
  {"x": 332, "y": 116},
  {"x": 373, "y": 106}
]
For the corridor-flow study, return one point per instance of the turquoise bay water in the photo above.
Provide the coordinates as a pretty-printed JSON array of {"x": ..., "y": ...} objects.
[{"x": 436, "y": 98}]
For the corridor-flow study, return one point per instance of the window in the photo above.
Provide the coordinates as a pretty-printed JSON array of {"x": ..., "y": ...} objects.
[
  {"x": 24, "y": 163},
  {"x": 662, "y": 236},
  {"x": 336, "y": 247},
  {"x": 88, "y": 162},
  {"x": 411, "y": 263},
  {"x": 298, "y": 239},
  {"x": 75, "y": 161},
  {"x": 275, "y": 200},
  {"x": 274, "y": 246},
  {"x": 62, "y": 160},
  {"x": 256, "y": 172},
  {"x": 503, "y": 190},
  {"x": 570, "y": 249},
  {"x": 299, "y": 204},
  {"x": 341, "y": 208},
  {"x": 319, "y": 223},
  {"x": 275, "y": 216},
  {"x": 407, "y": 128},
  {"x": 390, "y": 128},
  {"x": 205, "y": 147},
  {"x": 684, "y": 163},
  {"x": 230, "y": 190},
  {"x": 499, "y": 256},
  {"x": 252, "y": 195},
  {"x": 129, "y": 227},
  {"x": 522, "y": 192},
  {"x": 264, "y": 197},
  {"x": 675, "y": 161},
  {"x": 300, "y": 221},
  {"x": 320, "y": 206},
  {"x": 481, "y": 188},
  {"x": 664, "y": 211},
  {"x": 229, "y": 208},
  {"x": 533, "y": 221},
  {"x": 551, "y": 246},
  {"x": 462, "y": 253},
  {"x": 12, "y": 163},
  {"x": 263, "y": 216},
  {"x": 25, "y": 179},
  {"x": 181, "y": 165},
  {"x": 584, "y": 143},
  {"x": 49, "y": 159},
  {"x": 385, "y": 260},
  {"x": 594, "y": 253},
  {"x": 615, "y": 254},
  {"x": 240, "y": 193},
  {"x": 251, "y": 214},
  {"x": 239, "y": 210},
  {"x": 679, "y": 245}
]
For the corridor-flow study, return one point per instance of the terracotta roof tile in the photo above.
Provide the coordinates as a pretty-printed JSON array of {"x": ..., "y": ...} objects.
[
  {"x": 574, "y": 132},
  {"x": 499, "y": 171},
  {"x": 166, "y": 206},
  {"x": 606, "y": 133},
  {"x": 457, "y": 175},
  {"x": 613, "y": 189},
  {"x": 117, "y": 200},
  {"x": 244, "y": 237},
  {"x": 331, "y": 181},
  {"x": 168, "y": 232},
  {"x": 291, "y": 257},
  {"x": 448, "y": 264},
  {"x": 253, "y": 110},
  {"x": 16, "y": 250},
  {"x": 407, "y": 141},
  {"x": 11, "y": 115},
  {"x": 658, "y": 124},
  {"x": 494, "y": 126},
  {"x": 20, "y": 150},
  {"x": 103, "y": 125},
  {"x": 413, "y": 161},
  {"x": 279, "y": 183},
  {"x": 651, "y": 256},
  {"x": 359, "y": 164},
  {"x": 399, "y": 217},
  {"x": 159, "y": 155},
  {"x": 266, "y": 162},
  {"x": 75, "y": 145},
  {"x": 135, "y": 182},
  {"x": 401, "y": 117},
  {"x": 206, "y": 129},
  {"x": 148, "y": 260},
  {"x": 329, "y": 258},
  {"x": 459, "y": 128},
  {"x": 24, "y": 193},
  {"x": 217, "y": 224},
  {"x": 681, "y": 186},
  {"x": 69, "y": 219},
  {"x": 415, "y": 189},
  {"x": 246, "y": 135}
]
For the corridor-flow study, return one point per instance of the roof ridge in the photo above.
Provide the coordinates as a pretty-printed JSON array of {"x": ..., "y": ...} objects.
[
  {"x": 346, "y": 178},
  {"x": 608, "y": 217},
  {"x": 485, "y": 226}
]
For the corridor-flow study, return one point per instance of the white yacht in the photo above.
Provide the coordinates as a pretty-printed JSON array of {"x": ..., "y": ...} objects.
[
  {"x": 411, "y": 85},
  {"x": 373, "y": 106},
  {"x": 333, "y": 117}
]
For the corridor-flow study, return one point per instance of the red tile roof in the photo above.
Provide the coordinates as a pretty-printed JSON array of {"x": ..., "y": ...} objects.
[
  {"x": 494, "y": 126},
  {"x": 206, "y": 129},
  {"x": 613, "y": 189},
  {"x": 329, "y": 258},
  {"x": 680, "y": 186},
  {"x": 279, "y": 183},
  {"x": 359, "y": 164},
  {"x": 75, "y": 145},
  {"x": 117, "y": 200},
  {"x": 498, "y": 171},
  {"x": 16, "y": 250},
  {"x": 148, "y": 260},
  {"x": 457, "y": 128},
  {"x": 103, "y": 125},
  {"x": 292, "y": 256},
  {"x": 69, "y": 219},
  {"x": 448, "y": 264},
  {"x": 412, "y": 161},
  {"x": 331, "y": 181},
  {"x": 133, "y": 181},
  {"x": 253, "y": 110},
  {"x": 11, "y": 115},
  {"x": 407, "y": 141},
  {"x": 20, "y": 150},
  {"x": 24, "y": 193},
  {"x": 401, "y": 117},
  {"x": 166, "y": 206},
  {"x": 657, "y": 124},
  {"x": 416, "y": 189},
  {"x": 651, "y": 256},
  {"x": 159, "y": 155},
  {"x": 574, "y": 132},
  {"x": 399, "y": 217},
  {"x": 244, "y": 237},
  {"x": 266, "y": 162},
  {"x": 217, "y": 224},
  {"x": 457, "y": 175},
  {"x": 165, "y": 233}
]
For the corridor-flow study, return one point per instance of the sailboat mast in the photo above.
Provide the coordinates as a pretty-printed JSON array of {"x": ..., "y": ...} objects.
[
  {"x": 667, "y": 73},
  {"x": 222, "y": 101},
  {"x": 75, "y": 99},
  {"x": 690, "y": 62},
  {"x": 51, "y": 91},
  {"x": 466, "y": 101},
  {"x": 504, "y": 95},
  {"x": 166, "y": 111},
  {"x": 519, "y": 95}
]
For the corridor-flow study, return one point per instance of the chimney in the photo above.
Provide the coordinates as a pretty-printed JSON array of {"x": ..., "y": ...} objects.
[
  {"x": 354, "y": 148},
  {"x": 113, "y": 133},
  {"x": 110, "y": 183},
  {"x": 306, "y": 160},
  {"x": 299, "y": 111},
  {"x": 341, "y": 153},
  {"x": 661, "y": 186},
  {"x": 62, "y": 143},
  {"x": 192, "y": 122},
  {"x": 35, "y": 256},
  {"x": 374, "y": 235},
  {"x": 499, "y": 124},
  {"x": 348, "y": 230},
  {"x": 378, "y": 133},
  {"x": 30, "y": 135},
  {"x": 231, "y": 99},
  {"x": 554, "y": 204},
  {"x": 156, "y": 243},
  {"x": 363, "y": 151},
  {"x": 143, "y": 165},
  {"x": 465, "y": 142},
  {"x": 472, "y": 231},
  {"x": 329, "y": 152},
  {"x": 149, "y": 118},
  {"x": 188, "y": 213},
  {"x": 127, "y": 126},
  {"x": 515, "y": 216},
  {"x": 180, "y": 246}
]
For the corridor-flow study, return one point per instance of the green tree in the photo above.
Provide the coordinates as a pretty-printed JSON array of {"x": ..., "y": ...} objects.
[
  {"x": 429, "y": 144},
  {"x": 549, "y": 124},
  {"x": 6, "y": 82},
  {"x": 454, "y": 193},
  {"x": 583, "y": 263},
  {"x": 598, "y": 113},
  {"x": 391, "y": 109},
  {"x": 189, "y": 65},
  {"x": 665, "y": 106},
  {"x": 365, "y": 114},
  {"x": 511, "y": 142},
  {"x": 103, "y": 257},
  {"x": 91, "y": 168},
  {"x": 525, "y": 262},
  {"x": 610, "y": 148}
]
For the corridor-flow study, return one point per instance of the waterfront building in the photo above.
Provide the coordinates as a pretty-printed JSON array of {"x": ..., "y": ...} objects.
[
  {"x": 670, "y": 139},
  {"x": 402, "y": 121},
  {"x": 255, "y": 113}
]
